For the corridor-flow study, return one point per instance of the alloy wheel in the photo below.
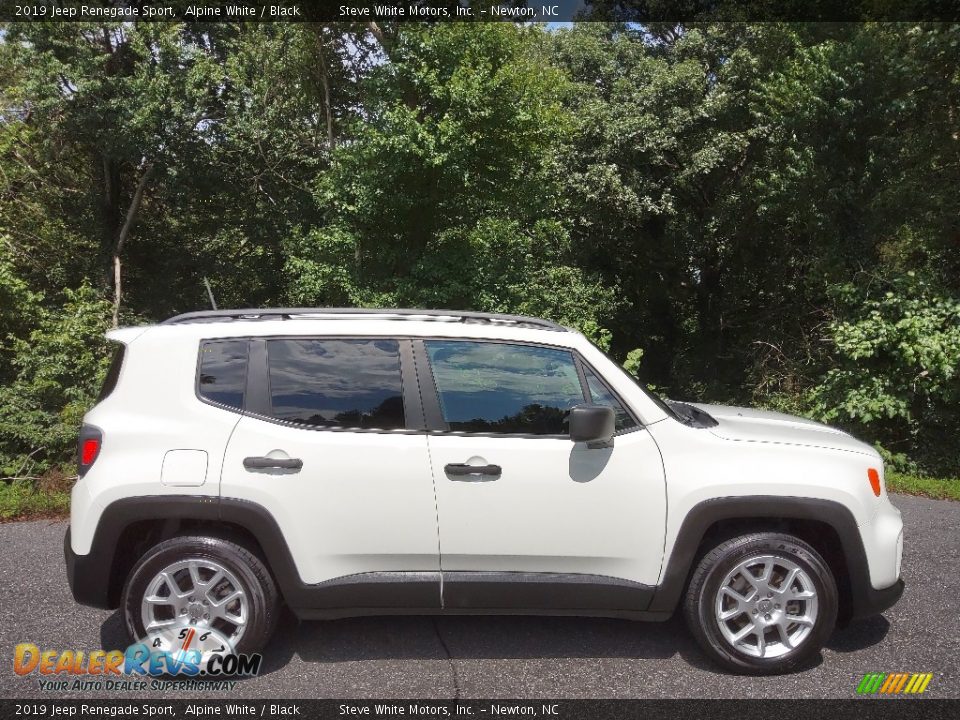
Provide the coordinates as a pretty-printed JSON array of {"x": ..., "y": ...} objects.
[
  {"x": 766, "y": 606},
  {"x": 195, "y": 592}
]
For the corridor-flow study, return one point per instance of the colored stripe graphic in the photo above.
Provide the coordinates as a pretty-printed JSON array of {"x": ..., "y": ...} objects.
[
  {"x": 870, "y": 683},
  {"x": 894, "y": 683},
  {"x": 903, "y": 681},
  {"x": 889, "y": 682}
]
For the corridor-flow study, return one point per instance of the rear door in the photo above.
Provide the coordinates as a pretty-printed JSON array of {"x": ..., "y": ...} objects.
[
  {"x": 527, "y": 517},
  {"x": 332, "y": 445}
]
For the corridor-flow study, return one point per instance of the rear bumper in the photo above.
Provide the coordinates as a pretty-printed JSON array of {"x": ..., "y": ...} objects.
[
  {"x": 88, "y": 576},
  {"x": 874, "y": 602}
]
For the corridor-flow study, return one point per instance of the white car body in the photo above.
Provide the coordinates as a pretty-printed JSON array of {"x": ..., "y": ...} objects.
[{"x": 380, "y": 502}]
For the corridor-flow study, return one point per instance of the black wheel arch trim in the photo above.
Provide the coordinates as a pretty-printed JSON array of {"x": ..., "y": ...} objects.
[{"x": 864, "y": 600}]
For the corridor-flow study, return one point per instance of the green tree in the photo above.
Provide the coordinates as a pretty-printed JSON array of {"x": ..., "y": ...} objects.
[
  {"x": 57, "y": 369},
  {"x": 447, "y": 193},
  {"x": 728, "y": 201}
]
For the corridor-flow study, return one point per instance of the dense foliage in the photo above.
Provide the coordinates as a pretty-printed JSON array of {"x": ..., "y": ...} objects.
[{"x": 761, "y": 214}]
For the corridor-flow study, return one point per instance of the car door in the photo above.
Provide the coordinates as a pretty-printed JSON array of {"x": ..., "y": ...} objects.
[
  {"x": 328, "y": 444},
  {"x": 527, "y": 517}
]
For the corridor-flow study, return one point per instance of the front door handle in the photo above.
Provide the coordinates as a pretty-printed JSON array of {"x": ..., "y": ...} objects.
[
  {"x": 464, "y": 470},
  {"x": 261, "y": 463}
]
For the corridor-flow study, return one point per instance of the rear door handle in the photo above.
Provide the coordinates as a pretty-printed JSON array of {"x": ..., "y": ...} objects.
[
  {"x": 464, "y": 470},
  {"x": 260, "y": 463}
]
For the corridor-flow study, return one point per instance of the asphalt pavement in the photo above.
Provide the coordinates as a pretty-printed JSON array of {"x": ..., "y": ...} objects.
[{"x": 508, "y": 657}]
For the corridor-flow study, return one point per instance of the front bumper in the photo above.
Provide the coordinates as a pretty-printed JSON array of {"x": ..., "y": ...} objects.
[
  {"x": 88, "y": 576},
  {"x": 873, "y": 602},
  {"x": 880, "y": 587}
]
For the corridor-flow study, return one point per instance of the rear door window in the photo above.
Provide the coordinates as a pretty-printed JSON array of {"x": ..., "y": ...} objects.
[
  {"x": 336, "y": 383},
  {"x": 223, "y": 371}
]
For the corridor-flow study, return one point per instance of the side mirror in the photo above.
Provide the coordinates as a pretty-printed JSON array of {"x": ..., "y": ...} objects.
[{"x": 593, "y": 424}]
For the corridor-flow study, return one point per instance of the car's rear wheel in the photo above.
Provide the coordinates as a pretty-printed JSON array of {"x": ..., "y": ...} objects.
[
  {"x": 204, "y": 593},
  {"x": 763, "y": 603}
]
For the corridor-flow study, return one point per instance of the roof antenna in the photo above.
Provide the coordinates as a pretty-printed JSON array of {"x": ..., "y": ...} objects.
[{"x": 213, "y": 303}]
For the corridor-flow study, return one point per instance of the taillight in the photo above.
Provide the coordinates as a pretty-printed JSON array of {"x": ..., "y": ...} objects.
[
  {"x": 874, "y": 477},
  {"x": 88, "y": 453},
  {"x": 88, "y": 448}
]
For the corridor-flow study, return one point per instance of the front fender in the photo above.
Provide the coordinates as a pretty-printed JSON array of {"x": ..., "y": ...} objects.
[{"x": 864, "y": 599}]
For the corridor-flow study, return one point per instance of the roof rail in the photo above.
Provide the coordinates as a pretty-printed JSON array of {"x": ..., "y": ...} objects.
[{"x": 354, "y": 313}]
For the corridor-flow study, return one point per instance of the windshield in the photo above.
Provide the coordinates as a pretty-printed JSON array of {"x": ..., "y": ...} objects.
[{"x": 660, "y": 403}]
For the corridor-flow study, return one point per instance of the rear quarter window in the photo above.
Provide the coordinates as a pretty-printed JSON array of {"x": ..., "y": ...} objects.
[
  {"x": 113, "y": 372},
  {"x": 223, "y": 372}
]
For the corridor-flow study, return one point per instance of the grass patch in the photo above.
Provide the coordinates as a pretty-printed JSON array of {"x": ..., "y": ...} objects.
[
  {"x": 46, "y": 497},
  {"x": 931, "y": 487}
]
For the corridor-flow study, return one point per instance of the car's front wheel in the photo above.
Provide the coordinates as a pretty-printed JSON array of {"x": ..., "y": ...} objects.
[{"x": 763, "y": 603}]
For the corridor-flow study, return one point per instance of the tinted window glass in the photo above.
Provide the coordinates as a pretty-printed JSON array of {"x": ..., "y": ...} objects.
[
  {"x": 223, "y": 371},
  {"x": 337, "y": 383},
  {"x": 113, "y": 372},
  {"x": 601, "y": 396},
  {"x": 656, "y": 399},
  {"x": 503, "y": 388}
]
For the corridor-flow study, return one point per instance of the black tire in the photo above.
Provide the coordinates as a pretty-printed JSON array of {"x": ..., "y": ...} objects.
[
  {"x": 701, "y": 612},
  {"x": 249, "y": 570}
]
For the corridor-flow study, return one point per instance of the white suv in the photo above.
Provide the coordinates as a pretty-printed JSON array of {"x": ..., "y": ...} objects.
[{"x": 360, "y": 462}]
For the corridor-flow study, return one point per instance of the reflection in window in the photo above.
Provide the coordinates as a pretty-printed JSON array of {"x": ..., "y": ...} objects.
[
  {"x": 336, "y": 383},
  {"x": 600, "y": 395},
  {"x": 504, "y": 388},
  {"x": 223, "y": 371}
]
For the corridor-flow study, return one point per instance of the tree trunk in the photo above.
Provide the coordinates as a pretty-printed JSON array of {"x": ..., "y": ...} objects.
[
  {"x": 378, "y": 34},
  {"x": 117, "y": 289},
  {"x": 110, "y": 217},
  {"x": 132, "y": 211},
  {"x": 325, "y": 80}
]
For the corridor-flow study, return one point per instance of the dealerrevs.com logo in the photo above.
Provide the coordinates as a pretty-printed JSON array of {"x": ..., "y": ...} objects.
[
  {"x": 119, "y": 670},
  {"x": 894, "y": 683}
]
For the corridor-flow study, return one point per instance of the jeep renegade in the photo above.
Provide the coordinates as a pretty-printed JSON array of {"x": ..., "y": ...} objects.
[{"x": 360, "y": 462}]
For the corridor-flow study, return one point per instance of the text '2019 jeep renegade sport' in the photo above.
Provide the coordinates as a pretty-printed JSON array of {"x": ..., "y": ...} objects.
[{"x": 356, "y": 462}]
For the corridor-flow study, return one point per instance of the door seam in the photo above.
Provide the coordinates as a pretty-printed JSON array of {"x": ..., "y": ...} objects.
[{"x": 433, "y": 478}]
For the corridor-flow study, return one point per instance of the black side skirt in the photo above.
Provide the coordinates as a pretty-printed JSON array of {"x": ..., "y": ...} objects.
[
  {"x": 549, "y": 591},
  {"x": 482, "y": 593}
]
